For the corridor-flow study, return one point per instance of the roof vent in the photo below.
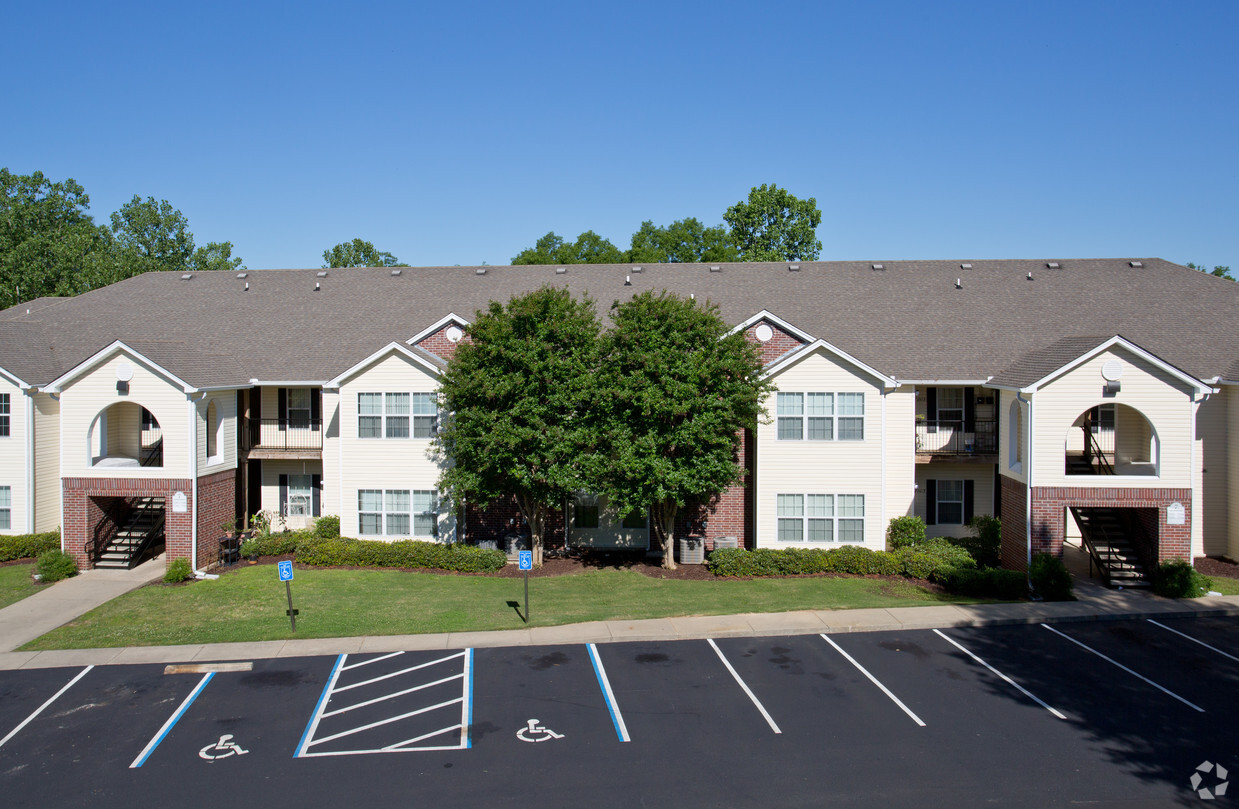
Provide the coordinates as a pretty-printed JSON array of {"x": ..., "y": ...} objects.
[
  {"x": 1136, "y": 263},
  {"x": 480, "y": 271},
  {"x": 1030, "y": 276},
  {"x": 317, "y": 286},
  {"x": 395, "y": 272},
  {"x": 879, "y": 266},
  {"x": 322, "y": 273},
  {"x": 1053, "y": 265},
  {"x": 247, "y": 286},
  {"x": 627, "y": 280},
  {"x": 793, "y": 267},
  {"x": 965, "y": 266},
  {"x": 959, "y": 283},
  {"x": 242, "y": 275},
  {"x": 560, "y": 270},
  {"x": 715, "y": 268},
  {"x": 636, "y": 269},
  {"x": 187, "y": 276}
]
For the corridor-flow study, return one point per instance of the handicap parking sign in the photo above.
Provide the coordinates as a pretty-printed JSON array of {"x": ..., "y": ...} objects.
[
  {"x": 526, "y": 560},
  {"x": 286, "y": 570}
]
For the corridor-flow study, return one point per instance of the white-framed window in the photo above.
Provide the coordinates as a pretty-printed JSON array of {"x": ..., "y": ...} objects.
[
  {"x": 951, "y": 406},
  {"x": 950, "y": 499},
  {"x": 396, "y": 415},
  {"x": 425, "y": 415},
  {"x": 298, "y": 406},
  {"x": 370, "y": 512},
  {"x": 812, "y": 518},
  {"x": 5, "y": 414},
  {"x": 851, "y": 510},
  {"x": 300, "y": 496},
  {"x": 425, "y": 513},
  {"x": 585, "y": 511},
  {"x": 820, "y": 416},
  {"x": 397, "y": 512},
  {"x": 6, "y": 508},
  {"x": 369, "y": 415}
]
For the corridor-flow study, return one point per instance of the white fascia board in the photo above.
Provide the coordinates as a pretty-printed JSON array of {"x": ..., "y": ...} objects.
[
  {"x": 378, "y": 355},
  {"x": 948, "y": 383},
  {"x": 15, "y": 380},
  {"x": 431, "y": 329},
  {"x": 280, "y": 383},
  {"x": 804, "y": 351},
  {"x": 778, "y": 321},
  {"x": 57, "y": 385},
  {"x": 1118, "y": 340}
]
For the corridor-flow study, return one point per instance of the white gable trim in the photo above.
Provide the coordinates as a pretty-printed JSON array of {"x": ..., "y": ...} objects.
[
  {"x": 19, "y": 383},
  {"x": 794, "y": 357},
  {"x": 1200, "y": 387},
  {"x": 429, "y": 330},
  {"x": 57, "y": 385},
  {"x": 778, "y": 321},
  {"x": 390, "y": 348}
]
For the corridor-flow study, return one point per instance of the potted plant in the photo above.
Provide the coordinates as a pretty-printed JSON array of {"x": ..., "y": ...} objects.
[{"x": 250, "y": 549}]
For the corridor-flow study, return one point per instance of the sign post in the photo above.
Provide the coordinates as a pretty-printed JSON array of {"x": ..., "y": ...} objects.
[
  {"x": 286, "y": 576},
  {"x": 526, "y": 565}
]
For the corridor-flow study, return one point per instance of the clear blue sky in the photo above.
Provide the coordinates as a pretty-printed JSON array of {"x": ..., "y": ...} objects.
[{"x": 458, "y": 133}]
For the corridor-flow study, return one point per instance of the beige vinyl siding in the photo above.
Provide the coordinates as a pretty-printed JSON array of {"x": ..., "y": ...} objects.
[
  {"x": 1159, "y": 397},
  {"x": 386, "y": 463},
  {"x": 982, "y": 477},
  {"x": 331, "y": 453},
  {"x": 271, "y": 471},
  {"x": 46, "y": 463},
  {"x": 226, "y": 447},
  {"x": 13, "y": 461},
  {"x": 1212, "y": 474},
  {"x": 900, "y": 454},
  {"x": 829, "y": 467},
  {"x": 86, "y": 397},
  {"x": 1005, "y": 400}
]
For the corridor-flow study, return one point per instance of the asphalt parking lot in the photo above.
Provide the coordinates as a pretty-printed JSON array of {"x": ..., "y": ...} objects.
[{"x": 1102, "y": 713}]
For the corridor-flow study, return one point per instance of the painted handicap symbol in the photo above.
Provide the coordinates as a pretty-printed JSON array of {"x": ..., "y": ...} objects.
[
  {"x": 534, "y": 732},
  {"x": 224, "y": 748}
]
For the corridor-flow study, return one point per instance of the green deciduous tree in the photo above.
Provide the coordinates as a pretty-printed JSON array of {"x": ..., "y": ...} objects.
[
  {"x": 676, "y": 391},
  {"x": 359, "y": 253},
  {"x": 685, "y": 240},
  {"x": 519, "y": 392},
  {"x": 773, "y": 225},
  {"x": 1221, "y": 271},
  {"x": 589, "y": 248},
  {"x": 151, "y": 235},
  {"x": 215, "y": 256}
]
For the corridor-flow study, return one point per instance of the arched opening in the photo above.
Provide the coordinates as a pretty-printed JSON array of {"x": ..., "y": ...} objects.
[
  {"x": 1112, "y": 439},
  {"x": 125, "y": 435}
]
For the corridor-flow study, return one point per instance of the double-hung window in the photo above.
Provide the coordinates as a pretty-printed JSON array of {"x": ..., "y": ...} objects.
[
  {"x": 298, "y": 408},
  {"x": 392, "y": 512},
  {"x": 4, "y": 415},
  {"x": 950, "y": 496},
  {"x": 806, "y": 517},
  {"x": 425, "y": 415},
  {"x": 821, "y": 416},
  {"x": 369, "y": 415},
  {"x": 425, "y": 514},
  {"x": 396, "y": 513},
  {"x": 300, "y": 496},
  {"x": 851, "y": 511},
  {"x": 6, "y": 508},
  {"x": 791, "y": 416},
  {"x": 851, "y": 417},
  {"x": 396, "y": 414}
]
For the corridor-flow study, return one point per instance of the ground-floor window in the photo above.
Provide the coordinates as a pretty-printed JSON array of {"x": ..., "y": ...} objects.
[
  {"x": 817, "y": 518},
  {"x": 393, "y": 512},
  {"x": 948, "y": 502},
  {"x": 6, "y": 507},
  {"x": 300, "y": 495}
]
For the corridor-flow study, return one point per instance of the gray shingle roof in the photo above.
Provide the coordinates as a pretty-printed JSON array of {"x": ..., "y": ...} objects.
[
  {"x": 908, "y": 320},
  {"x": 1042, "y": 362}
]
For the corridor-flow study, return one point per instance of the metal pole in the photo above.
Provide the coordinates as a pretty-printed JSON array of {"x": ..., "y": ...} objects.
[
  {"x": 292, "y": 615},
  {"x": 526, "y": 596}
]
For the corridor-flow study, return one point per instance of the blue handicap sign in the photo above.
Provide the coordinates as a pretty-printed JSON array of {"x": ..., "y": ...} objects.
[
  {"x": 526, "y": 560},
  {"x": 286, "y": 571}
]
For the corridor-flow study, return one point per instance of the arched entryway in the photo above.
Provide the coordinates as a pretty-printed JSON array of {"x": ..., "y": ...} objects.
[{"x": 1112, "y": 439}]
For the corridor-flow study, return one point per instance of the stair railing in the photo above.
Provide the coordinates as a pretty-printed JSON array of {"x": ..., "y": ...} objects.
[
  {"x": 1093, "y": 450},
  {"x": 1094, "y": 555}
]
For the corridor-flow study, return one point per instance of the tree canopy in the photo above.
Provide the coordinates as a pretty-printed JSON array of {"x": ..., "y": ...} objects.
[
  {"x": 152, "y": 235},
  {"x": 773, "y": 225},
  {"x": 1221, "y": 271},
  {"x": 519, "y": 390},
  {"x": 685, "y": 240},
  {"x": 589, "y": 248},
  {"x": 359, "y": 253}
]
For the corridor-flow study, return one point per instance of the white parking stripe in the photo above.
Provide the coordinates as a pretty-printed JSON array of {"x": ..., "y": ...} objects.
[
  {"x": 1180, "y": 634},
  {"x": 1004, "y": 677},
  {"x": 608, "y": 695},
  {"x": 1163, "y": 689},
  {"x": 323, "y": 699},
  {"x": 392, "y": 696},
  {"x": 171, "y": 723},
  {"x": 398, "y": 673},
  {"x": 874, "y": 680},
  {"x": 371, "y": 660},
  {"x": 386, "y": 721},
  {"x": 742, "y": 684},
  {"x": 43, "y": 707}
]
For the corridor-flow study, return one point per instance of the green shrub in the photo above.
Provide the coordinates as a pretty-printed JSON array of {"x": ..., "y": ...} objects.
[
  {"x": 985, "y": 541},
  {"x": 55, "y": 565},
  {"x": 1179, "y": 579},
  {"x": 904, "y": 532},
  {"x": 327, "y": 527},
  {"x": 402, "y": 553},
  {"x": 27, "y": 546},
  {"x": 932, "y": 559},
  {"x": 249, "y": 548},
  {"x": 178, "y": 571},
  {"x": 1006, "y": 585},
  {"x": 282, "y": 543},
  {"x": 800, "y": 561},
  {"x": 1050, "y": 578}
]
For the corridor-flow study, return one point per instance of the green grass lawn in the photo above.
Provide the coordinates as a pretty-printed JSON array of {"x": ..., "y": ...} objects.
[
  {"x": 1225, "y": 586},
  {"x": 249, "y": 604},
  {"x": 15, "y": 583}
]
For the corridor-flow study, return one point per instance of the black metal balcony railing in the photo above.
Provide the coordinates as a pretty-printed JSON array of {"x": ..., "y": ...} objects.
[
  {"x": 979, "y": 437},
  {"x": 282, "y": 434}
]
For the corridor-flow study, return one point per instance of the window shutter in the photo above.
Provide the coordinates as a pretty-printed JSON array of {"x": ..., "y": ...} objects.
[
  {"x": 316, "y": 486},
  {"x": 931, "y": 502},
  {"x": 931, "y": 409},
  {"x": 970, "y": 410},
  {"x": 968, "y": 490},
  {"x": 316, "y": 408},
  {"x": 282, "y": 406},
  {"x": 284, "y": 495}
]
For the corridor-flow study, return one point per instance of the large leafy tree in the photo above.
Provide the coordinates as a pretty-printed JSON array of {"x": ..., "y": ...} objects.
[
  {"x": 685, "y": 240},
  {"x": 1220, "y": 271},
  {"x": 519, "y": 392},
  {"x": 773, "y": 225},
  {"x": 677, "y": 390},
  {"x": 215, "y": 256},
  {"x": 359, "y": 253},
  {"x": 589, "y": 248},
  {"x": 151, "y": 235}
]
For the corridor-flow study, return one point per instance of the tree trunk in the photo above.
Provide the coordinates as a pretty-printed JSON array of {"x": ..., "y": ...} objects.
[
  {"x": 535, "y": 516},
  {"x": 664, "y": 515}
]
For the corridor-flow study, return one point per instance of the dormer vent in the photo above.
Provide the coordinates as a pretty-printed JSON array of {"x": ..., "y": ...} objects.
[
  {"x": 480, "y": 271},
  {"x": 879, "y": 266},
  {"x": 322, "y": 273},
  {"x": 793, "y": 268},
  {"x": 187, "y": 276},
  {"x": 1136, "y": 264},
  {"x": 715, "y": 268},
  {"x": 242, "y": 275},
  {"x": 1053, "y": 265},
  {"x": 395, "y": 273},
  {"x": 965, "y": 266},
  {"x": 561, "y": 270},
  {"x": 636, "y": 269}
]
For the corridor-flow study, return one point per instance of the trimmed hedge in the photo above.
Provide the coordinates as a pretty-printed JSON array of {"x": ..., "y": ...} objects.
[
  {"x": 932, "y": 559},
  {"x": 321, "y": 552},
  {"x": 904, "y": 532},
  {"x": 1050, "y": 578},
  {"x": 1006, "y": 585},
  {"x": 327, "y": 527},
  {"x": 280, "y": 544},
  {"x": 798, "y": 561},
  {"x": 28, "y": 546},
  {"x": 1178, "y": 579}
]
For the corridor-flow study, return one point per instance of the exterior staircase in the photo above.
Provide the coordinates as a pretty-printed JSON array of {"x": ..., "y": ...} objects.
[
  {"x": 1107, "y": 538},
  {"x": 143, "y": 528}
]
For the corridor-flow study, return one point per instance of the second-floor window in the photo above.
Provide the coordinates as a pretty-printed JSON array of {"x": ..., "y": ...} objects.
[
  {"x": 391, "y": 415},
  {"x": 4, "y": 415},
  {"x": 821, "y": 416},
  {"x": 298, "y": 414}
]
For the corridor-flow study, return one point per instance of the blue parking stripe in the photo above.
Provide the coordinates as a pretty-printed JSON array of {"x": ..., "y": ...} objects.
[
  {"x": 171, "y": 723},
  {"x": 617, "y": 719}
]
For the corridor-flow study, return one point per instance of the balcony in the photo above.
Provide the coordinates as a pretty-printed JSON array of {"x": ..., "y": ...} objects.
[
  {"x": 296, "y": 439},
  {"x": 957, "y": 440}
]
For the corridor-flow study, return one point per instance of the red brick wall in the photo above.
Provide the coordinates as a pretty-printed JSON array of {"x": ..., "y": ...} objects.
[
  {"x": 1050, "y": 502},
  {"x": 438, "y": 344},
  {"x": 1013, "y": 501},
  {"x": 503, "y": 517},
  {"x": 729, "y": 514},
  {"x": 776, "y": 346},
  {"x": 217, "y": 503}
]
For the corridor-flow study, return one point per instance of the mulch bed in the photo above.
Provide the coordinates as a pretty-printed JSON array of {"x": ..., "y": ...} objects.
[{"x": 1217, "y": 566}]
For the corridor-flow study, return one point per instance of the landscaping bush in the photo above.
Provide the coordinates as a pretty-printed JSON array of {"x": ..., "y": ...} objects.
[
  {"x": 27, "y": 546},
  {"x": 178, "y": 571},
  {"x": 403, "y": 553},
  {"x": 55, "y": 565},
  {"x": 1007, "y": 585},
  {"x": 985, "y": 541},
  {"x": 1179, "y": 579},
  {"x": 799, "y": 561},
  {"x": 280, "y": 544},
  {"x": 904, "y": 532},
  {"x": 1050, "y": 578},
  {"x": 932, "y": 559},
  {"x": 327, "y": 527}
]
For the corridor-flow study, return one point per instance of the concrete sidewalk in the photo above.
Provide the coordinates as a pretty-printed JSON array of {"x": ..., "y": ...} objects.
[{"x": 1095, "y": 604}]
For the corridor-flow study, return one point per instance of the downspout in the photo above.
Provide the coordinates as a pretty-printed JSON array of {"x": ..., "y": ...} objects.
[
  {"x": 193, "y": 483},
  {"x": 882, "y": 506},
  {"x": 29, "y": 402},
  {"x": 1028, "y": 487},
  {"x": 60, "y": 469}
]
